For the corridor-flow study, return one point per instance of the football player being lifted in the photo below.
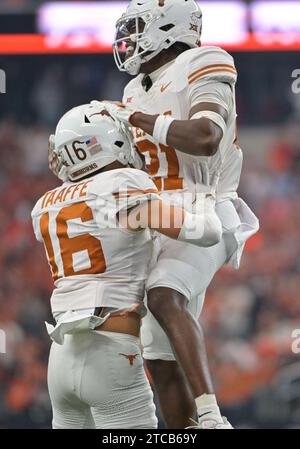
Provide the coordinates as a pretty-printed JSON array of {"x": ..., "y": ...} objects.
[
  {"x": 96, "y": 232},
  {"x": 181, "y": 107}
]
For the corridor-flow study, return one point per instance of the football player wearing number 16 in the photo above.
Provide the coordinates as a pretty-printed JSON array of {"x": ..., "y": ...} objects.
[
  {"x": 96, "y": 231},
  {"x": 181, "y": 107}
]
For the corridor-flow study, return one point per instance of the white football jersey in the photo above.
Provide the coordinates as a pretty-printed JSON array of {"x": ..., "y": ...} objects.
[
  {"x": 95, "y": 262},
  {"x": 204, "y": 74}
]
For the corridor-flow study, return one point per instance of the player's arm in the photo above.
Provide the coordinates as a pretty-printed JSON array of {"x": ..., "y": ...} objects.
[
  {"x": 202, "y": 228},
  {"x": 210, "y": 76},
  {"x": 200, "y": 135},
  {"x": 196, "y": 136}
]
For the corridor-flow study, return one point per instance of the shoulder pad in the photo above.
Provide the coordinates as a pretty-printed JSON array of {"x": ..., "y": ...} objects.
[
  {"x": 207, "y": 64},
  {"x": 124, "y": 180},
  {"x": 38, "y": 207},
  {"x": 123, "y": 188}
]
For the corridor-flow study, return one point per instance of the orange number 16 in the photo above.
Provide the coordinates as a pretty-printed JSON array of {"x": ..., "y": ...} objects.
[{"x": 71, "y": 245}]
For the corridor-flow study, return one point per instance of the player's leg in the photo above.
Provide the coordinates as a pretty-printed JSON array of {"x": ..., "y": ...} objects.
[
  {"x": 188, "y": 271},
  {"x": 69, "y": 411},
  {"x": 181, "y": 274},
  {"x": 170, "y": 308},
  {"x": 71, "y": 415},
  {"x": 173, "y": 392},
  {"x": 172, "y": 384},
  {"x": 115, "y": 385}
]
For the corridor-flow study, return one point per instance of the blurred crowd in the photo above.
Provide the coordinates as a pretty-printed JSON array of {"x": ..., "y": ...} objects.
[{"x": 249, "y": 314}]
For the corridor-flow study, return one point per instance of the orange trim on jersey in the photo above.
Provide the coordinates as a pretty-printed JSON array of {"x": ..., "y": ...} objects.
[
  {"x": 168, "y": 183},
  {"x": 163, "y": 87},
  {"x": 202, "y": 75},
  {"x": 158, "y": 183},
  {"x": 44, "y": 228},
  {"x": 229, "y": 66},
  {"x": 173, "y": 183},
  {"x": 126, "y": 313},
  {"x": 127, "y": 193}
]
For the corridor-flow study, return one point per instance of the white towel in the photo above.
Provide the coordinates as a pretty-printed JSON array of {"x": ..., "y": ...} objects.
[{"x": 72, "y": 322}]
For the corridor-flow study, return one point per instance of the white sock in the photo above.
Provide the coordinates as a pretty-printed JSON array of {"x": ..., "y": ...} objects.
[{"x": 207, "y": 408}]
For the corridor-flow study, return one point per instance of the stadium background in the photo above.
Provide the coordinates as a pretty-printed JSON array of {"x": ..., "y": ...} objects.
[{"x": 249, "y": 314}]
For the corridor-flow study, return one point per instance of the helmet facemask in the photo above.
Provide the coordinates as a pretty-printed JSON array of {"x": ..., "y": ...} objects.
[
  {"x": 131, "y": 47},
  {"x": 55, "y": 160}
]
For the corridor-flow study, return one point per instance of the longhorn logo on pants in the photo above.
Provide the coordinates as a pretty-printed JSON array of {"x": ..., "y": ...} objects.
[{"x": 130, "y": 357}]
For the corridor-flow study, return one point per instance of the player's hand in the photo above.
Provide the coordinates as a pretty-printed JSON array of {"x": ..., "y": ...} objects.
[
  {"x": 199, "y": 180},
  {"x": 201, "y": 183},
  {"x": 121, "y": 115},
  {"x": 118, "y": 111},
  {"x": 205, "y": 182},
  {"x": 52, "y": 157}
]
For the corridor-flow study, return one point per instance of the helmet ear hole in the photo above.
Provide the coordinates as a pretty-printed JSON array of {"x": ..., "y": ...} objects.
[
  {"x": 167, "y": 27},
  {"x": 123, "y": 158},
  {"x": 119, "y": 143}
]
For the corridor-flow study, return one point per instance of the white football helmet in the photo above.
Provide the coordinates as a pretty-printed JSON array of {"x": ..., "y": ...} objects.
[
  {"x": 150, "y": 26},
  {"x": 87, "y": 139}
]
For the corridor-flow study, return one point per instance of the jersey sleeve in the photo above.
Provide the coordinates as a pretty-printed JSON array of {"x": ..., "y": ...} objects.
[
  {"x": 210, "y": 64},
  {"x": 123, "y": 190},
  {"x": 135, "y": 188},
  {"x": 35, "y": 216},
  {"x": 210, "y": 77},
  {"x": 211, "y": 92}
]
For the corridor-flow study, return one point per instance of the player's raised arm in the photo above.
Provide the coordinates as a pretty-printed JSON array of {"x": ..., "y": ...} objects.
[
  {"x": 199, "y": 136},
  {"x": 210, "y": 91}
]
